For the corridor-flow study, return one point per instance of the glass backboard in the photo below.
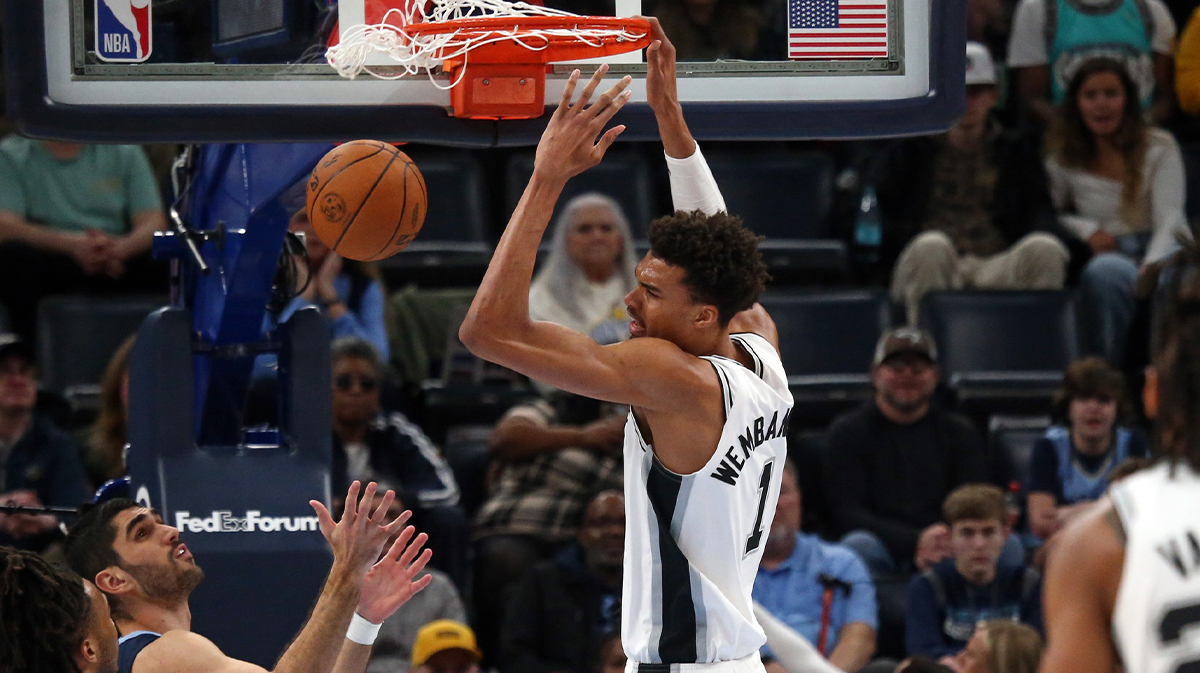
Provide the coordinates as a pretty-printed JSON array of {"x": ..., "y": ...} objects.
[{"x": 254, "y": 70}]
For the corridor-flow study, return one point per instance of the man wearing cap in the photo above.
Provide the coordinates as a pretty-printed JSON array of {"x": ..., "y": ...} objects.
[
  {"x": 894, "y": 460},
  {"x": 970, "y": 207},
  {"x": 446, "y": 646},
  {"x": 39, "y": 464}
]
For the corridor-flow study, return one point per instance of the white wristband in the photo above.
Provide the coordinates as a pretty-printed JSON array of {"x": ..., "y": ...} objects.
[{"x": 361, "y": 631}]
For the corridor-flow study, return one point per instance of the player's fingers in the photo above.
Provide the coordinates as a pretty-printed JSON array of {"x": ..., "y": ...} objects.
[
  {"x": 609, "y": 138},
  {"x": 397, "y": 548},
  {"x": 618, "y": 102},
  {"x": 420, "y": 563},
  {"x": 605, "y": 103},
  {"x": 398, "y": 522},
  {"x": 381, "y": 511},
  {"x": 363, "y": 514},
  {"x": 586, "y": 94},
  {"x": 413, "y": 549},
  {"x": 324, "y": 520},
  {"x": 568, "y": 93},
  {"x": 421, "y": 583},
  {"x": 350, "y": 511}
]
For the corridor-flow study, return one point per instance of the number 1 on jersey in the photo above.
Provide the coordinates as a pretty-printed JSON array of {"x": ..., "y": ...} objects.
[{"x": 764, "y": 487}]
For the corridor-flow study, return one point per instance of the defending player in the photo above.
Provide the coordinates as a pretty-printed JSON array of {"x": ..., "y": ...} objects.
[
  {"x": 705, "y": 439},
  {"x": 1123, "y": 586},
  {"x": 148, "y": 574}
]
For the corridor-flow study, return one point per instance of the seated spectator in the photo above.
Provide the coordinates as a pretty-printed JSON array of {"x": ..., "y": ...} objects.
[
  {"x": 104, "y": 456},
  {"x": 1187, "y": 66},
  {"x": 1118, "y": 186},
  {"x": 965, "y": 206},
  {"x": 708, "y": 30},
  {"x": 446, "y": 646},
  {"x": 1050, "y": 41},
  {"x": 370, "y": 444},
  {"x": 349, "y": 293},
  {"x": 1072, "y": 464},
  {"x": 1000, "y": 646},
  {"x": 947, "y": 601},
  {"x": 893, "y": 461},
  {"x": 821, "y": 590},
  {"x": 550, "y": 459},
  {"x": 39, "y": 464},
  {"x": 74, "y": 218},
  {"x": 584, "y": 280},
  {"x": 562, "y": 609}
]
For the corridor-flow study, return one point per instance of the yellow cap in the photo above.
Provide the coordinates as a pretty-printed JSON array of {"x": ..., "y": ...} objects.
[{"x": 441, "y": 635}]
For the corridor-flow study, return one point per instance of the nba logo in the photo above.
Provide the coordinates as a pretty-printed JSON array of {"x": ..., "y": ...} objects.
[{"x": 123, "y": 29}]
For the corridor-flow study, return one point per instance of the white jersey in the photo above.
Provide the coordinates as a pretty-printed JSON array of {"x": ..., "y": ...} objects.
[
  {"x": 693, "y": 542},
  {"x": 1156, "y": 619}
]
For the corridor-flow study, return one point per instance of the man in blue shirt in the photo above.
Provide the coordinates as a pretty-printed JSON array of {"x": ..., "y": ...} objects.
[
  {"x": 822, "y": 590},
  {"x": 948, "y": 600}
]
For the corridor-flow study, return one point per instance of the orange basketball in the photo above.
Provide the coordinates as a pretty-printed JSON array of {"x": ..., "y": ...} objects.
[{"x": 366, "y": 200}]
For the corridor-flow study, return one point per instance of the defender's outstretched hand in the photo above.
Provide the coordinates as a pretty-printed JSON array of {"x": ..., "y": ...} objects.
[
  {"x": 569, "y": 146},
  {"x": 661, "y": 92},
  {"x": 389, "y": 583},
  {"x": 357, "y": 539}
]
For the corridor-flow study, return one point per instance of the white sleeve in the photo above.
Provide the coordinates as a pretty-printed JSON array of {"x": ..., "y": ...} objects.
[
  {"x": 1027, "y": 42},
  {"x": 791, "y": 650},
  {"x": 1165, "y": 30},
  {"x": 1166, "y": 184},
  {"x": 693, "y": 186},
  {"x": 1060, "y": 193}
]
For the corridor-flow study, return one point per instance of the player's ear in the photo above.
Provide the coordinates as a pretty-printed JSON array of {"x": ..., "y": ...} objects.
[
  {"x": 113, "y": 580},
  {"x": 88, "y": 652},
  {"x": 707, "y": 316}
]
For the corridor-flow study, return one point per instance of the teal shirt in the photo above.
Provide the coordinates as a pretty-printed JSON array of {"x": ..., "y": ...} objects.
[
  {"x": 1121, "y": 29},
  {"x": 102, "y": 188}
]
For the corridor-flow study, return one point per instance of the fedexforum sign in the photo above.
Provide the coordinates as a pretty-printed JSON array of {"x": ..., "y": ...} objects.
[{"x": 254, "y": 522}]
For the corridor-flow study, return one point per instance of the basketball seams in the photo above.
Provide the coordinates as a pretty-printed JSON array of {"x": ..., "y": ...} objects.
[
  {"x": 316, "y": 196},
  {"x": 366, "y": 197},
  {"x": 403, "y": 212}
]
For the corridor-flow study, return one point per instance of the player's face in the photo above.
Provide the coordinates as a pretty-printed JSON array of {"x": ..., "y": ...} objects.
[
  {"x": 1093, "y": 417},
  {"x": 976, "y": 544},
  {"x": 1102, "y": 103},
  {"x": 151, "y": 552},
  {"x": 660, "y": 306},
  {"x": 355, "y": 390},
  {"x": 18, "y": 388},
  {"x": 906, "y": 381},
  {"x": 101, "y": 631},
  {"x": 594, "y": 241}
]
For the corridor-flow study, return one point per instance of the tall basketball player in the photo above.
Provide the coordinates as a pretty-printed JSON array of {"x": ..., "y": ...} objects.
[
  {"x": 705, "y": 440},
  {"x": 1124, "y": 585}
]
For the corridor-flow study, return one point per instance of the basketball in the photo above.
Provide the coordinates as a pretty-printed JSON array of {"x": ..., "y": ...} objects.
[{"x": 366, "y": 200}]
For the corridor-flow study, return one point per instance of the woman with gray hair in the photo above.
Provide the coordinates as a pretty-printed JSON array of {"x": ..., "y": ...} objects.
[{"x": 584, "y": 281}]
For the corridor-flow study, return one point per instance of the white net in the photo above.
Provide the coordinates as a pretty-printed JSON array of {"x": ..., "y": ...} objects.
[{"x": 416, "y": 53}]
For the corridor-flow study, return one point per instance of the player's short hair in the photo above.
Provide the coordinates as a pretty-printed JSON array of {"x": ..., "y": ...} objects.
[
  {"x": 719, "y": 256},
  {"x": 1091, "y": 378},
  {"x": 45, "y": 612},
  {"x": 89, "y": 547},
  {"x": 975, "y": 502},
  {"x": 355, "y": 347}
]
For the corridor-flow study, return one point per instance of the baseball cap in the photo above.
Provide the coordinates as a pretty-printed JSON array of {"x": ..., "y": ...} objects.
[
  {"x": 905, "y": 340},
  {"x": 980, "y": 69},
  {"x": 11, "y": 344},
  {"x": 442, "y": 635}
]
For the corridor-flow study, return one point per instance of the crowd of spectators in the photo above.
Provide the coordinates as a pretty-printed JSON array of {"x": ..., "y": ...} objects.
[{"x": 1062, "y": 173}]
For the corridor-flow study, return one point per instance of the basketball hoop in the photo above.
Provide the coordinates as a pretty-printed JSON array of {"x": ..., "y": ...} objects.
[{"x": 508, "y": 46}]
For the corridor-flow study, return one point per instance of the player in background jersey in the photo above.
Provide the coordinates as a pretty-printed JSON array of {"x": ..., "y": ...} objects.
[
  {"x": 706, "y": 436},
  {"x": 1123, "y": 586}
]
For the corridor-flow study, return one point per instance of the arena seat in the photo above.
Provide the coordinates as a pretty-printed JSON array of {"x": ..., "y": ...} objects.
[
  {"x": 826, "y": 341},
  {"x": 623, "y": 175},
  {"x": 78, "y": 334},
  {"x": 787, "y": 198},
  {"x": 1002, "y": 351},
  {"x": 454, "y": 235},
  {"x": 1011, "y": 440}
]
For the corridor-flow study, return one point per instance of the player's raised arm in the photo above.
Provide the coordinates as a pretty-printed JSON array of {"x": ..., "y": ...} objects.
[{"x": 645, "y": 372}]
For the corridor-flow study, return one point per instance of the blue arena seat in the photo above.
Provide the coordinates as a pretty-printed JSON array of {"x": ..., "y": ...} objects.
[
  {"x": 826, "y": 341},
  {"x": 1000, "y": 345},
  {"x": 455, "y": 231},
  {"x": 787, "y": 198},
  {"x": 78, "y": 334},
  {"x": 624, "y": 176}
]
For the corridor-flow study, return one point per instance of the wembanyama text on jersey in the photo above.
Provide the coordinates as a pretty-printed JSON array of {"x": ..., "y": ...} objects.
[{"x": 693, "y": 542}]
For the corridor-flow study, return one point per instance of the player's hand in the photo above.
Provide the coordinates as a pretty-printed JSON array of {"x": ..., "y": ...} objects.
[
  {"x": 606, "y": 435},
  {"x": 661, "y": 91},
  {"x": 569, "y": 145},
  {"x": 389, "y": 583},
  {"x": 358, "y": 537}
]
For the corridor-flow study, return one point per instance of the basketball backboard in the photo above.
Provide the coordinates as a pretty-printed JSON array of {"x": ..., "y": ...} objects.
[{"x": 254, "y": 70}]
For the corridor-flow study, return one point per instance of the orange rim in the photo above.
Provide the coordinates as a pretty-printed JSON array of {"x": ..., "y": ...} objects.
[{"x": 506, "y": 24}]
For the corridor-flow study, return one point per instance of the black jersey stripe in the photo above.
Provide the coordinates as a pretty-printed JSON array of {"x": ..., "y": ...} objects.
[
  {"x": 677, "y": 638},
  {"x": 758, "y": 363}
]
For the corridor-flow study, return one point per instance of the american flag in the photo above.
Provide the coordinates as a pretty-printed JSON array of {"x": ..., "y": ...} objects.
[{"x": 837, "y": 29}]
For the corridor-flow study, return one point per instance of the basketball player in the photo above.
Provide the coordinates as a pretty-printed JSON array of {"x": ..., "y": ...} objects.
[
  {"x": 1123, "y": 586},
  {"x": 52, "y": 621},
  {"x": 705, "y": 439},
  {"x": 148, "y": 574}
]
